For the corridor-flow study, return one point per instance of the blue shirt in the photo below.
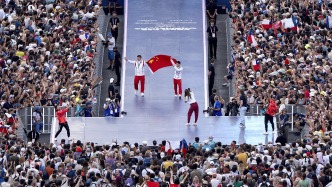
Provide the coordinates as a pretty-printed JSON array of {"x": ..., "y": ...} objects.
[
  {"x": 88, "y": 112},
  {"x": 107, "y": 111},
  {"x": 217, "y": 105},
  {"x": 105, "y": 2}
]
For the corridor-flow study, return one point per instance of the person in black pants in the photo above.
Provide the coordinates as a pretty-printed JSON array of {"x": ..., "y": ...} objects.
[
  {"x": 212, "y": 74},
  {"x": 212, "y": 30},
  {"x": 117, "y": 65},
  {"x": 211, "y": 10},
  {"x": 61, "y": 115},
  {"x": 114, "y": 24},
  {"x": 106, "y": 4},
  {"x": 283, "y": 125}
]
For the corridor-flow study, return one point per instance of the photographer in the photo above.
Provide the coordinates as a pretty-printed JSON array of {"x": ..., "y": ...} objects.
[
  {"x": 232, "y": 108},
  {"x": 114, "y": 107}
]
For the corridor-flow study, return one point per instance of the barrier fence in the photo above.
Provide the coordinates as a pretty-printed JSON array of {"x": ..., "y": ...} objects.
[{"x": 48, "y": 112}]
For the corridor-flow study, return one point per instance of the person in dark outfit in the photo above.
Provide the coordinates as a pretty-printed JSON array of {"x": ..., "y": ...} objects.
[
  {"x": 106, "y": 4},
  {"x": 212, "y": 74},
  {"x": 212, "y": 30},
  {"x": 33, "y": 135},
  {"x": 117, "y": 65},
  {"x": 111, "y": 89},
  {"x": 114, "y": 24},
  {"x": 283, "y": 124},
  {"x": 211, "y": 10}
]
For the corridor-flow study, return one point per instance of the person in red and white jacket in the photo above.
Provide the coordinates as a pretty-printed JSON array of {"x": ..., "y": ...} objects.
[
  {"x": 271, "y": 110},
  {"x": 177, "y": 81},
  {"x": 139, "y": 73}
]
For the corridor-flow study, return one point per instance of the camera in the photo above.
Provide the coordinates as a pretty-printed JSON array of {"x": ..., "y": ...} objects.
[
  {"x": 207, "y": 110},
  {"x": 124, "y": 113}
]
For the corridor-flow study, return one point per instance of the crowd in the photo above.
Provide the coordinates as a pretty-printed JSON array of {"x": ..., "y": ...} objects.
[
  {"x": 207, "y": 163},
  {"x": 47, "y": 53},
  {"x": 283, "y": 49},
  {"x": 48, "y": 46}
]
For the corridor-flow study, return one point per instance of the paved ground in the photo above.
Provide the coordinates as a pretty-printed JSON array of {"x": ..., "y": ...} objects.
[
  {"x": 221, "y": 61},
  {"x": 107, "y": 74}
]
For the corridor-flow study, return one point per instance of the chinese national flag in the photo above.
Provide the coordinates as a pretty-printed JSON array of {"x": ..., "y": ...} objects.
[{"x": 160, "y": 61}]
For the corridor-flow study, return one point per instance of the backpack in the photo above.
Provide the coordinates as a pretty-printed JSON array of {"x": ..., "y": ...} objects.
[
  {"x": 147, "y": 161},
  {"x": 290, "y": 178}
]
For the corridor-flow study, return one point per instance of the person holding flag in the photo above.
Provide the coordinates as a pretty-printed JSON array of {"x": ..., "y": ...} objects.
[
  {"x": 139, "y": 73},
  {"x": 177, "y": 81}
]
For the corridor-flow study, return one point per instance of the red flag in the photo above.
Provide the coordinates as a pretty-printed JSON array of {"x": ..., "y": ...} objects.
[
  {"x": 152, "y": 184},
  {"x": 160, "y": 61},
  {"x": 276, "y": 25}
]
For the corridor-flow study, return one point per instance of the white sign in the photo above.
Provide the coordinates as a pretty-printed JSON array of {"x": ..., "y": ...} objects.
[{"x": 171, "y": 25}]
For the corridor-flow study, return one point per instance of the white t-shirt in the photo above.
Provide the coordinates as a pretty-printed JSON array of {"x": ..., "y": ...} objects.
[
  {"x": 214, "y": 182},
  {"x": 139, "y": 67},
  {"x": 178, "y": 72},
  {"x": 191, "y": 99},
  {"x": 112, "y": 41},
  {"x": 37, "y": 116}
]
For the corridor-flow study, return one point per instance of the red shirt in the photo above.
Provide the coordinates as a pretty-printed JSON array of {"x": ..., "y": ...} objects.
[
  {"x": 286, "y": 61},
  {"x": 61, "y": 115}
]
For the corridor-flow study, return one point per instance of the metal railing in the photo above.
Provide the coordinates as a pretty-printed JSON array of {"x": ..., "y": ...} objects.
[
  {"x": 48, "y": 112},
  {"x": 255, "y": 110}
]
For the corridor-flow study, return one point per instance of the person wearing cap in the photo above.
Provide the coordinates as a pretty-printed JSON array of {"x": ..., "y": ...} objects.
[
  {"x": 111, "y": 88},
  {"x": 37, "y": 117},
  {"x": 114, "y": 24},
  {"x": 139, "y": 73},
  {"x": 111, "y": 45},
  {"x": 177, "y": 79},
  {"x": 61, "y": 115}
]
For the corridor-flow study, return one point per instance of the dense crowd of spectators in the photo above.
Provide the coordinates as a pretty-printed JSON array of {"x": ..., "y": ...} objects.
[
  {"x": 207, "y": 163},
  {"x": 48, "y": 46},
  {"x": 293, "y": 59},
  {"x": 47, "y": 53}
]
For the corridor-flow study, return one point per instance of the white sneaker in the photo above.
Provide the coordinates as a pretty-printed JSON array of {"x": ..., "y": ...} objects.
[
  {"x": 135, "y": 92},
  {"x": 142, "y": 94},
  {"x": 175, "y": 95},
  {"x": 187, "y": 124},
  {"x": 265, "y": 133},
  {"x": 273, "y": 132},
  {"x": 194, "y": 124}
]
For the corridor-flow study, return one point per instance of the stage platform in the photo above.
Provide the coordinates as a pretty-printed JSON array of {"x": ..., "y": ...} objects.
[
  {"x": 224, "y": 129},
  {"x": 175, "y": 28}
]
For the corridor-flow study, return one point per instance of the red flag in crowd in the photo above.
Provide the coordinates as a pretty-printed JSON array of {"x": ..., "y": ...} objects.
[
  {"x": 160, "y": 61},
  {"x": 152, "y": 184}
]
